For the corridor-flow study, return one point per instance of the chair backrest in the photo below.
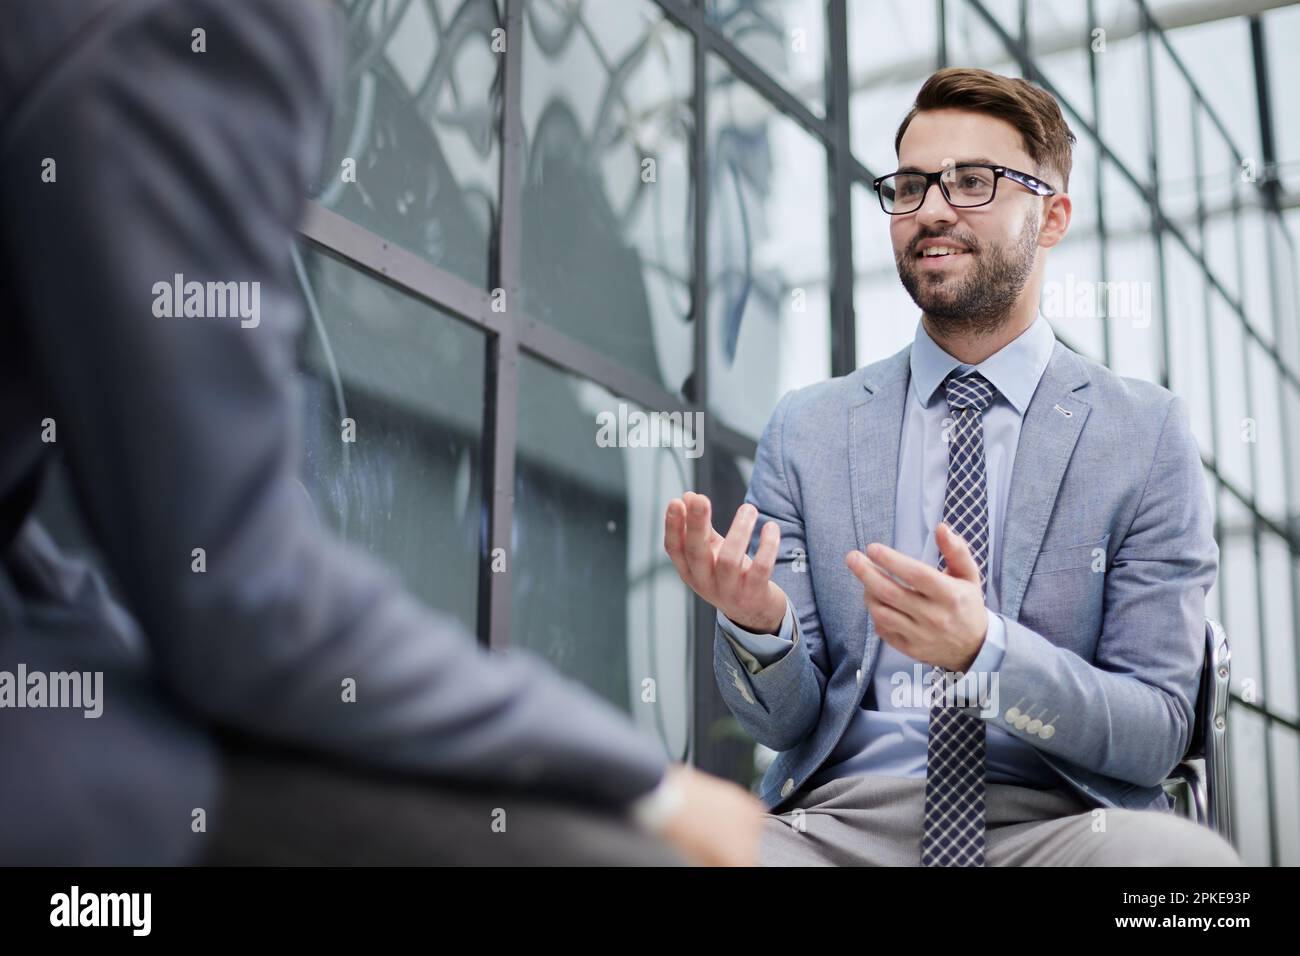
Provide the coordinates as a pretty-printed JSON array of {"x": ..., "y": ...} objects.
[{"x": 1210, "y": 736}]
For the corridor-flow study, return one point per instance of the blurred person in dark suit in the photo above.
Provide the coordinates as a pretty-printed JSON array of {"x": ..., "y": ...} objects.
[{"x": 128, "y": 158}]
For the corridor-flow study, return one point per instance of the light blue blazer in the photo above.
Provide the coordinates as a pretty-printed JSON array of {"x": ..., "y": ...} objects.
[{"x": 1101, "y": 667}]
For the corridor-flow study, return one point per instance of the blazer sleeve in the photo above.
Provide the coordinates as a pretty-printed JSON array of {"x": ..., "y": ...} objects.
[
  {"x": 779, "y": 703},
  {"x": 1128, "y": 714},
  {"x": 182, "y": 433}
]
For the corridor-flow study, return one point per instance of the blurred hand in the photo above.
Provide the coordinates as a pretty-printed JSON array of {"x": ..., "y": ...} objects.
[
  {"x": 719, "y": 570},
  {"x": 718, "y": 822}
]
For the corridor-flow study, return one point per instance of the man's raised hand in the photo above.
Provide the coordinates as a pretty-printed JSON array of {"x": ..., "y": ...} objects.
[{"x": 719, "y": 570}]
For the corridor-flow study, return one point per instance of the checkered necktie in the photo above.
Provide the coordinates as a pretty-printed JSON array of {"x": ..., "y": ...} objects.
[{"x": 953, "y": 832}]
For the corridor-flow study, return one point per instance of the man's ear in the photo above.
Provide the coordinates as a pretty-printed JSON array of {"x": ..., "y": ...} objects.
[{"x": 1056, "y": 220}]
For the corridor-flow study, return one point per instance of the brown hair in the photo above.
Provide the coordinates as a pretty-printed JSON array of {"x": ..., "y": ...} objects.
[{"x": 1032, "y": 111}]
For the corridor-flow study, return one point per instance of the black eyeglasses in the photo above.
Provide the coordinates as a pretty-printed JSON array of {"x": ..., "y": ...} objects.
[{"x": 964, "y": 186}]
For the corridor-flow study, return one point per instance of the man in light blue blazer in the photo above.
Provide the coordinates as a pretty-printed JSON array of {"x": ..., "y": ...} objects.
[{"x": 971, "y": 620}]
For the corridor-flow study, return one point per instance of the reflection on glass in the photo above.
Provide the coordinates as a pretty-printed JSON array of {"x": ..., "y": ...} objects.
[
  {"x": 784, "y": 37},
  {"x": 733, "y": 751},
  {"x": 607, "y": 232},
  {"x": 413, "y": 150},
  {"x": 393, "y": 412},
  {"x": 593, "y": 590},
  {"x": 769, "y": 308}
]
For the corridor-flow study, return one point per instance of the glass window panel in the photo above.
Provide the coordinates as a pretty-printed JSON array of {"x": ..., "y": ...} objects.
[
  {"x": 1281, "y": 37},
  {"x": 1279, "y": 625},
  {"x": 411, "y": 379},
  {"x": 1005, "y": 12},
  {"x": 1070, "y": 290},
  {"x": 972, "y": 42},
  {"x": 1131, "y": 299},
  {"x": 1060, "y": 42},
  {"x": 1230, "y": 396},
  {"x": 1189, "y": 369},
  {"x": 607, "y": 233},
  {"x": 1291, "y": 440},
  {"x": 1286, "y": 784},
  {"x": 1248, "y": 779},
  {"x": 1286, "y": 290},
  {"x": 1175, "y": 147},
  {"x": 1220, "y": 176},
  {"x": 1252, "y": 253},
  {"x": 892, "y": 49},
  {"x": 1082, "y": 187},
  {"x": 1221, "y": 250},
  {"x": 593, "y": 590},
  {"x": 1217, "y": 54},
  {"x": 1266, "y": 414},
  {"x": 418, "y": 111},
  {"x": 787, "y": 38},
  {"x": 1071, "y": 287},
  {"x": 885, "y": 315},
  {"x": 1240, "y": 599},
  {"x": 769, "y": 307},
  {"x": 1213, "y": 597},
  {"x": 1122, "y": 85}
]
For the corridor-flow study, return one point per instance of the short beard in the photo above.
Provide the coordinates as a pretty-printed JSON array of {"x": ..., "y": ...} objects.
[{"x": 980, "y": 305}]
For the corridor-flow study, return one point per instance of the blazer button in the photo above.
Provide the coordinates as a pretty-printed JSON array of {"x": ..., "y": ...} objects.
[
  {"x": 1021, "y": 721},
  {"x": 1047, "y": 731},
  {"x": 1012, "y": 714},
  {"x": 1033, "y": 725},
  {"x": 859, "y": 675},
  {"x": 788, "y": 787}
]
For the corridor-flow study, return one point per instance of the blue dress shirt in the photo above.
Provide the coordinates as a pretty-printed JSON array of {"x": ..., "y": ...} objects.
[{"x": 889, "y": 733}]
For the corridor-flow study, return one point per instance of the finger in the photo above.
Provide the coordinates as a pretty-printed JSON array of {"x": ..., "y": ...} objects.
[
  {"x": 769, "y": 543},
  {"x": 958, "y": 558},
  {"x": 883, "y": 589},
  {"x": 699, "y": 556},
  {"x": 913, "y": 573},
  {"x": 675, "y": 536},
  {"x": 892, "y": 623},
  {"x": 732, "y": 558}
]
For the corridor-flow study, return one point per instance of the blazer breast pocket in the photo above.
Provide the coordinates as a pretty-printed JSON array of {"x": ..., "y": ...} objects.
[
  {"x": 1075, "y": 556},
  {"x": 1063, "y": 601}
]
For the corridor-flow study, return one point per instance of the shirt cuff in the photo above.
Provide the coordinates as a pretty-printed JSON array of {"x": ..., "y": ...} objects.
[
  {"x": 762, "y": 649},
  {"x": 987, "y": 661},
  {"x": 989, "y": 658}
]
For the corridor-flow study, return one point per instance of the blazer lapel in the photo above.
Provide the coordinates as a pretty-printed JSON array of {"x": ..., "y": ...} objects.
[
  {"x": 875, "y": 432},
  {"x": 1050, "y": 429}
]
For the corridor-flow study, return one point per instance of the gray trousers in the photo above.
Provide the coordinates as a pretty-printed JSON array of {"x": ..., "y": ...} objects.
[{"x": 876, "y": 821}]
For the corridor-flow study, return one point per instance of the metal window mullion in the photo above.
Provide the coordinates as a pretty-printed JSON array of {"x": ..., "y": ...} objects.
[
  {"x": 705, "y": 702},
  {"x": 501, "y": 408},
  {"x": 843, "y": 327}
]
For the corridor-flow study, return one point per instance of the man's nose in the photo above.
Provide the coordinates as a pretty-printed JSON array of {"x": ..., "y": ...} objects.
[{"x": 934, "y": 208}]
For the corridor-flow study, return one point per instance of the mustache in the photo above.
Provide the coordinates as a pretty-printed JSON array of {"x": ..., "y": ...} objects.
[{"x": 964, "y": 240}]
